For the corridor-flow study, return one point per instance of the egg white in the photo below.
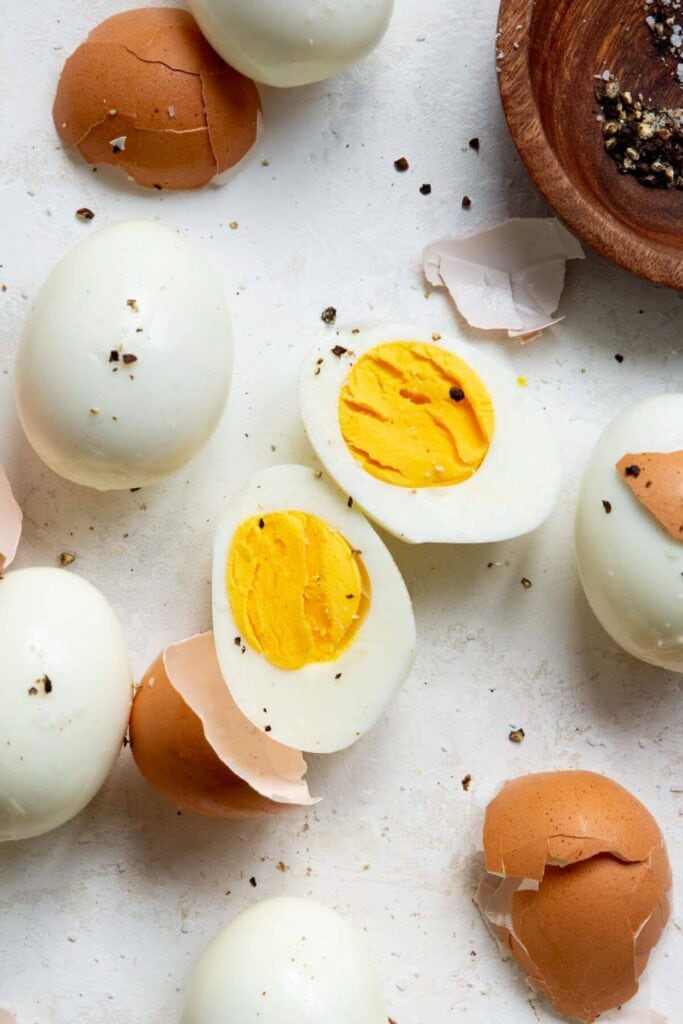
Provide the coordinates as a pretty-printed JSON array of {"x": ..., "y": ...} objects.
[
  {"x": 630, "y": 567},
  {"x": 308, "y": 708},
  {"x": 513, "y": 491}
]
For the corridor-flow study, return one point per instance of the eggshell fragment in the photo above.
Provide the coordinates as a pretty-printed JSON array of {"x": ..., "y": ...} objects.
[
  {"x": 577, "y": 888},
  {"x": 146, "y": 93},
  {"x": 10, "y": 522},
  {"x": 656, "y": 479},
  {"x": 193, "y": 744},
  {"x": 509, "y": 277}
]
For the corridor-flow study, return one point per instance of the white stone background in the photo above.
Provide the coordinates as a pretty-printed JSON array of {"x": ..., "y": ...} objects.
[{"x": 101, "y": 921}]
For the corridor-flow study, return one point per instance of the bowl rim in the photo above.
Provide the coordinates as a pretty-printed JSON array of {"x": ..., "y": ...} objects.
[{"x": 603, "y": 233}]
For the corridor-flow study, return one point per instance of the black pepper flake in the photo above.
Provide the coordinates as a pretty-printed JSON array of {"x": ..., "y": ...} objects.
[
  {"x": 113, "y": 356},
  {"x": 252, "y": 882},
  {"x": 134, "y": 490},
  {"x": 238, "y": 641},
  {"x": 457, "y": 394},
  {"x": 619, "y": 358},
  {"x": 466, "y": 202},
  {"x": 607, "y": 505},
  {"x": 338, "y": 675},
  {"x": 85, "y": 214},
  {"x": 129, "y": 358},
  {"x": 527, "y": 584},
  {"x": 466, "y": 782},
  {"x": 350, "y": 503},
  {"x": 47, "y": 684},
  {"x": 32, "y": 691},
  {"x": 261, "y": 523},
  {"x": 116, "y": 149},
  {"x": 401, "y": 164},
  {"x": 350, "y": 597},
  {"x": 632, "y": 471},
  {"x": 516, "y": 735},
  {"x": 474, "y": 144},
  {"x": 339, "y": 351},
  {"x": 329, "y": 315},
  {"x": 269, "y": 728},
  {"x": 426, "y": 189}
]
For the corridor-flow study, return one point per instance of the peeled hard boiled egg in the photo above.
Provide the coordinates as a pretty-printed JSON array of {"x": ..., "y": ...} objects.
[
  {"x": 629, "y": 530},
  {"x": 125, "y": 364},
  {"x": 434, "y": 442},
  {"x": 65, "y": 696},
  {"x": 285, "y": 961},
  {"x": 577, "y": 888},
  {"x": 313, "y": 623},
  {"x": 293, "y": 43}
]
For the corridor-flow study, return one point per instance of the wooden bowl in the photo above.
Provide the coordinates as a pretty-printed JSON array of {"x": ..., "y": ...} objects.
[{"x": 548, "y": 54}]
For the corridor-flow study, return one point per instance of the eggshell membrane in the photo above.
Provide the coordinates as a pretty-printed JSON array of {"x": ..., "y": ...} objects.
[
  {"x": 658, "y": 486},
  {"x": 143, "y": 64},
  {"x": 564, "y": 817},
  {"x": 582, "y": 918},
  {"x": 10, "y": 522},
  {"x": 195, "y": 747}
]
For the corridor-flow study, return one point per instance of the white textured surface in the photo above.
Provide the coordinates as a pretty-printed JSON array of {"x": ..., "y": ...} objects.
[{"x": 101, "y": 922}]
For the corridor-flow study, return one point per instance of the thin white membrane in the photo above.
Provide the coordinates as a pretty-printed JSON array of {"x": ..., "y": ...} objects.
[
  {"x": 509, "y": 277},
  {"x": 271, "y": 769},
  {"x": 10, "y": 524}
]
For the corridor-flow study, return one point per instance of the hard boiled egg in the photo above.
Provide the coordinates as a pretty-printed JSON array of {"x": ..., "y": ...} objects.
[
  {"x": 577, "y": 888},
  {"x": 629, "y": 530},
  {"x": 435, "y": 442},
  {"x": 126, "y": 360},
  {"x": 313, "y": 624},
  {"x": 285, "y": 961},
  {"x": 65, "y": 696},
  {"x": 292, "y": 43}
]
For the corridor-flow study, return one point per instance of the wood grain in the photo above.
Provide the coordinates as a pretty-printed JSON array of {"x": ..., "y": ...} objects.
[{"x": 548, "y": 53}]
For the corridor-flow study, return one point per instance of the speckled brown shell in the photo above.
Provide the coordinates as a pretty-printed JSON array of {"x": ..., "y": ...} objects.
[
  {"x": 584, "y": 936},
  {"x": 146, "y": 93}
]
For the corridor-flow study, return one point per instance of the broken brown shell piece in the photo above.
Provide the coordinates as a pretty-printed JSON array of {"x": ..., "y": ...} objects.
[
  {"x": 658, "y": 485},
  {"x": 10, "y": 522},
  {"x": 577, "y": 888},
  {"x": 146, "y": 93},
  {"x": 195, "y": 747}
]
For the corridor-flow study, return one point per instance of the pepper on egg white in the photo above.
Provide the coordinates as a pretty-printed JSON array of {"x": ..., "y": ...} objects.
[{"x": 313, "y": 624}]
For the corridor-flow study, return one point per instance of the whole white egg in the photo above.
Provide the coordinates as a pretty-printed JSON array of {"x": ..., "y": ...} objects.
[
  {"x": 126, "y": 359},
  {"x": 293, "y": 43},
  {"x": 313, "y": 624},
  {"x": 65, "y": 696},
  {"x": 631, "y": 567},
  {"x": 285, "y": 961},
  {"x": 437, "y": 443}
]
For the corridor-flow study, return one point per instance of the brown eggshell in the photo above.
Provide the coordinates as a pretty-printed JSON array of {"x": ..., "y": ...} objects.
[
  {"x": 574, "y": 938},
  {"x": 149, "y": 76},
  {"x": 578, "y": 887},
  {"x": 658, "y": 486},
  {"x": 564, "y": 817},
  {"x": 10, "y": 522},
  {"x": 195, "y": 747}
]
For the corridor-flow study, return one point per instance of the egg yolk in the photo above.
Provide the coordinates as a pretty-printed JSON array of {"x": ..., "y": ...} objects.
[
  {"x": 298, "y": 590},
  {"x": 415, "y": 415}
]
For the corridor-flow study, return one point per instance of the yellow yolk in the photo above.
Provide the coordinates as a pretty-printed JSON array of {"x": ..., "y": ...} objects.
[
  {"x": 297, "y": 589},
  {"x": 415, "y": 415}
]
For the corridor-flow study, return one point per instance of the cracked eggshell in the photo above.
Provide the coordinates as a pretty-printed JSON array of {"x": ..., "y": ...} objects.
[
  {"x": 146, "y": 93},
  {"x": 512, "y": 493},
  {"x": 65, "y": 696},
  {"x": 195, "y": 747},
  {"x": 10, "y": 522},
  {"x": 322, "y": 707},
  {"x": 578, "y": 887},
  {"x": 125, "y": 364},
  {"x": 630, "y": 566},
  {"x": 293, "y": 43},
  {"x": 285, "y": 961}
]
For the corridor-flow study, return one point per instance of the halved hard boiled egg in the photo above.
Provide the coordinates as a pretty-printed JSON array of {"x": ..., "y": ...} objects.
[
  {"x": 313, "y": 624},
  {"x": 436, "y": 442}
]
